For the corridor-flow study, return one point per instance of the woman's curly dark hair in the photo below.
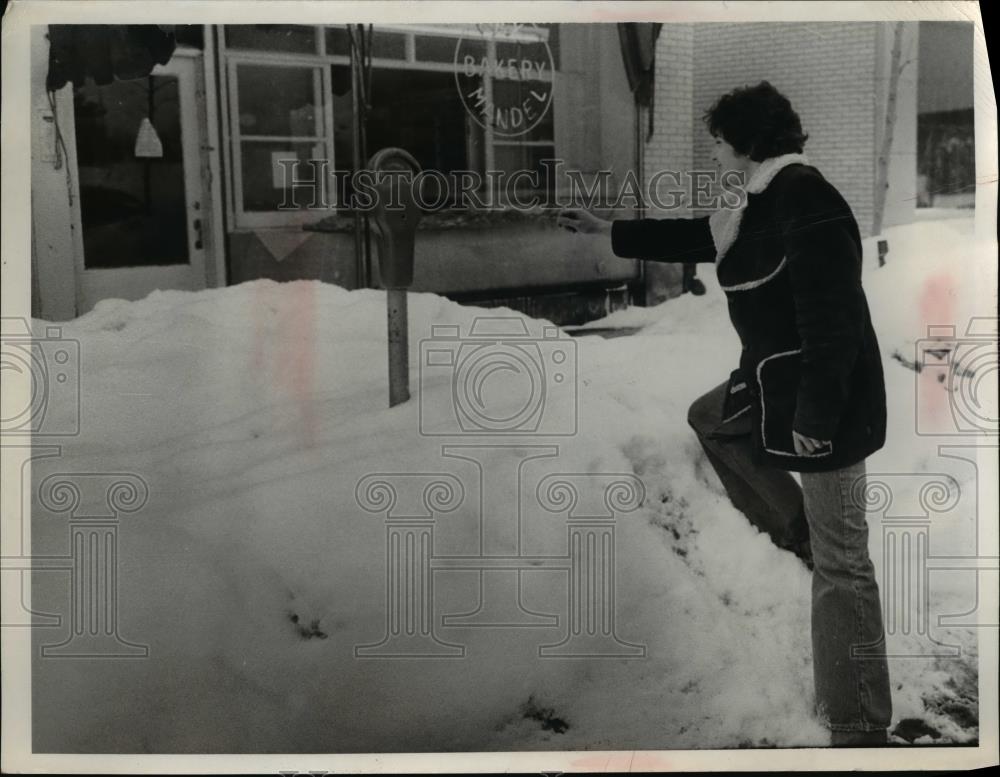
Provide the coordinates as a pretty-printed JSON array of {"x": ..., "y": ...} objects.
[{"x": 757, "y": 121}]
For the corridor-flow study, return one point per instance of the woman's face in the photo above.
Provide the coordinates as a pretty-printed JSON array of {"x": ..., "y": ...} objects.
[{"x": 726, "y": 158}]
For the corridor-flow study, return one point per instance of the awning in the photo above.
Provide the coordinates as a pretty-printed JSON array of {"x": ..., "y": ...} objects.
[
  {"x": 106, "y": 52},
  {"x": 638, "y": 42}
]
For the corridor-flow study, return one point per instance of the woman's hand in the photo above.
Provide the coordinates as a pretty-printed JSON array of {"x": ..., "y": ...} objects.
[
  {"x": 807, "y": 446},
  {"x": 579, "y": 220}
]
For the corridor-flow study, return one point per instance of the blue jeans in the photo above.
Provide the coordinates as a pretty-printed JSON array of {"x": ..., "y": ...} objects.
[{"x": 850, "y": 670}]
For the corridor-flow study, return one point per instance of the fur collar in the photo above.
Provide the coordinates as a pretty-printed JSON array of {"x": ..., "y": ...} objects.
[{"x": 725, "y": 224}]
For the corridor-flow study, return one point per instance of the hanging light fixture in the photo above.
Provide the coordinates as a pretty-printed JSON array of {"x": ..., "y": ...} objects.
[{"x": 147, "y": 142}]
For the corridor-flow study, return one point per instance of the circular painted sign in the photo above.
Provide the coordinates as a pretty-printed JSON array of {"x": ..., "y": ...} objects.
[{"x": 505, "y": 77}]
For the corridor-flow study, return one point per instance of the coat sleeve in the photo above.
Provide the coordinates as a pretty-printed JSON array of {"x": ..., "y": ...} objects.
[
  {"x": 823, "y": 250},
  {"x": 663, "y": 240}
]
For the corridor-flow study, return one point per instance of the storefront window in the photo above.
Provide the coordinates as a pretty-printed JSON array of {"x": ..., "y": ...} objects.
[
  {"x": 278, "y": 101},
  {"x": 272, "y": 37},
  {"x": 946, "y": 160},
  {"x": 388, "y": 45},
  {"x": 946, "y": 149},
  {"x": 278, "y": 119},
  {"x": 434, "y": 49},
  {"x": 423, "y": 112},
  {"x": 421, "y": 98}
]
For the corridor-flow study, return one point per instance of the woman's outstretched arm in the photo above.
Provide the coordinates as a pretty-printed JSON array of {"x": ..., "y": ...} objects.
[{"x": 656, "y": 240}]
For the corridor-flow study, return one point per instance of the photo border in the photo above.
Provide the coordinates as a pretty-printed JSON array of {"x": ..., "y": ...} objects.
[{"x": 16, "y": 220}]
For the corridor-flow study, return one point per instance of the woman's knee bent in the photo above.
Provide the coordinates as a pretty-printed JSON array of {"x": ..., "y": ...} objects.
[{"x": 705, "y": 413}]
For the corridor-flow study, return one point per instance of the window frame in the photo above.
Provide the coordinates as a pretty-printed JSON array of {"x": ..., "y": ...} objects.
[{"x": 231, "y": 58}]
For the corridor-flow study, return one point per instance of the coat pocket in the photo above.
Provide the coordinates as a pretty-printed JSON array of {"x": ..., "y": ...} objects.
[
  {"x": 736, "y": 411},
  {"x": 778, "y": 381},
  {"x": 737, "y": 403}
]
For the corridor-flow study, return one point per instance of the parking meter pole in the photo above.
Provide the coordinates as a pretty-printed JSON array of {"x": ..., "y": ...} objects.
[
  {"x": 395, "y": 217},
  {"x": 399, "y": 357}
]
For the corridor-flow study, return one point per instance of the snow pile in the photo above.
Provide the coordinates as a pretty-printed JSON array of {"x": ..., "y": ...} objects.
[{"x": 253, "y": 572}]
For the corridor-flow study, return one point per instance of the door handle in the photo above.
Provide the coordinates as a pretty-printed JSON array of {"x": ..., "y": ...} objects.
[{"x": 197, "y": 234}]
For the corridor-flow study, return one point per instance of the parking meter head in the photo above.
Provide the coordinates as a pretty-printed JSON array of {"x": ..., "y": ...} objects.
[
  {"x": 392, "y": 158},
  {"x": 395, "y": 215}
]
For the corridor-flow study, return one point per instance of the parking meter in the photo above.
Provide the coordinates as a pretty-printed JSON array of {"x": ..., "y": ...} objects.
[{"x": 395, "y": 216}]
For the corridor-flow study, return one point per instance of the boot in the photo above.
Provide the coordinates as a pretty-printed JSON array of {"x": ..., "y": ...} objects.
[{"x": 877, "y": 738}]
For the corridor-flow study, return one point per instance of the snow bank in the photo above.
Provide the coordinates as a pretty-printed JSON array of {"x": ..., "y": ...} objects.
[{"x": 252, "y": 573}]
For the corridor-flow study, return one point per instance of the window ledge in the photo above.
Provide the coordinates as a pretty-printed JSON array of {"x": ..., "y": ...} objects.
[{"x": 450, "y": 220}]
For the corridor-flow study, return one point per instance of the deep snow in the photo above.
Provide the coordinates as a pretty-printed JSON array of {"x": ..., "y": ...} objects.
[{"x": 253, "y": 411}]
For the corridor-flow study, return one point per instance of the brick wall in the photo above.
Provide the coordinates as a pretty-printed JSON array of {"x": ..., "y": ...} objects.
[
  {"x": 827, "y": 70},
  {"x": 672, "y": 145}
]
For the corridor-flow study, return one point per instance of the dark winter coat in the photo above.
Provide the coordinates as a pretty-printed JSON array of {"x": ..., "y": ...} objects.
[{"x": 790, "y": 265}]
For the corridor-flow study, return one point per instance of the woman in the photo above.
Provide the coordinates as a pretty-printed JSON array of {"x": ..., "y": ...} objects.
[{"x": 808, "y": 395}]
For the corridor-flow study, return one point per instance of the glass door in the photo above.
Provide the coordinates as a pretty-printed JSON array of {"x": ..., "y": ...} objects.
[{"x": 140, "y": 187}]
